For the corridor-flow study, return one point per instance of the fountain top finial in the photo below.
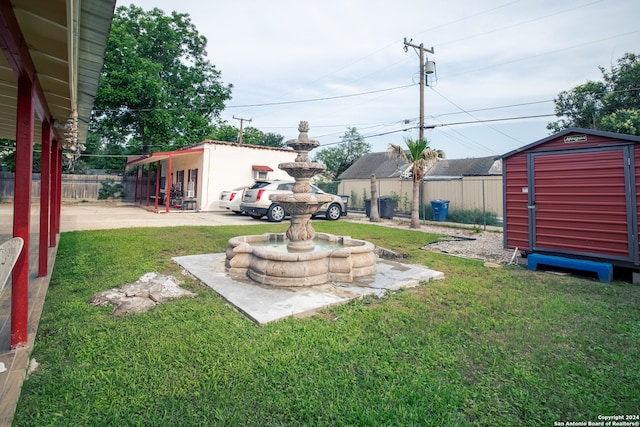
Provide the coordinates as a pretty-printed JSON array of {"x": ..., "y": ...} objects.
[
  {"x": 303, "y": 144},
  {"x": 303, "y": 128}
]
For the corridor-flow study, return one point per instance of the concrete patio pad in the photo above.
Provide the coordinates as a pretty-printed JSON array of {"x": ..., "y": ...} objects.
[{"x": 264, "y": 304}]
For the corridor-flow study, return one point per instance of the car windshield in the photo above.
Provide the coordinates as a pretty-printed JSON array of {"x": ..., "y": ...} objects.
[{"x": 258, "y": 184}]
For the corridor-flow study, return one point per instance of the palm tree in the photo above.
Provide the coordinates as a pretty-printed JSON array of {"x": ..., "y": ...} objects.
[{"x": 420, "y": 156}]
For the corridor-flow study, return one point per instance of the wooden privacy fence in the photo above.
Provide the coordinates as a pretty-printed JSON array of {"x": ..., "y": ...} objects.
[
  {"x": 74, "y": 187},
  {"x": 484, "y": 193},
  {"x": 468, "y": 193}
]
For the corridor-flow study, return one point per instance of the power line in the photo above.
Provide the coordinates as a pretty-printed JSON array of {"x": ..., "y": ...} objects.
[
  {"x": 535, "y": 116},
  {"x": 522, "y": 104},
  {"x": 529, "y": 57},
  {"x": 438, "y": 125},
  {"x": 471, "y": 115},
  {"x": 269, "y": 104},
  {"x": 517, "y": 24},
  {"x": 467, "y": 17},
  {"x": 328, "y": 98}
]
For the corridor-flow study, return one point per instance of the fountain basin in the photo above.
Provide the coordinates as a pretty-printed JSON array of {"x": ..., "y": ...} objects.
[{"x": 266, "y": 260}]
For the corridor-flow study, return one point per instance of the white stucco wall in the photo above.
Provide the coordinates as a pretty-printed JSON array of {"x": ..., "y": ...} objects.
[{"x": 226, "y": 166}]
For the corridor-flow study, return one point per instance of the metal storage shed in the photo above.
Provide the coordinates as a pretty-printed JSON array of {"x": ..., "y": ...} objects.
[{"x": 574, "y": 194}]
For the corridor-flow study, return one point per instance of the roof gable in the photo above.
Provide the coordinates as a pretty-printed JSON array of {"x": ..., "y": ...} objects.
[{"x": 599, "y": 133}]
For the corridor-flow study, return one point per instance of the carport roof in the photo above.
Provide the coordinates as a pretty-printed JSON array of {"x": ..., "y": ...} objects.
[{"x": 157, "y": 157}]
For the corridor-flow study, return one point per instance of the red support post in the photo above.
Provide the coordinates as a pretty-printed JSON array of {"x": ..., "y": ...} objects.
[
  {"x": 58, "y": 180},
  {"x": 157, "y": 185},
  {"x": 167, "y": 194},
  {"x": 53, "y": 211},
  {"x": 45, "y": 193},
  {"x": 22, "y": 210},
  {"x": 141, "y": 184},
  {"x": 148, "y": 183},
  {"x": 135, "y": 190}
]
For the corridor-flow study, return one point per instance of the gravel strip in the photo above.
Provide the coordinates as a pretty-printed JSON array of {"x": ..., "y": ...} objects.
[{"x": 458, "y": 240}]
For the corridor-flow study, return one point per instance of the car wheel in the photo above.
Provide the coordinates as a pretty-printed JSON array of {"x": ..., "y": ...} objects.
[
  {"x": 334, "y": 212},
  {"x": 275, "y": 213},
  {"x": 256, "y": 216},
  {"x": 237, "y": 212}
]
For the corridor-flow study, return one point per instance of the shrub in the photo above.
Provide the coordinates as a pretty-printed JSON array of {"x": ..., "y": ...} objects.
[
  {"x": 463, "y": 216},
  {"x": 353, "y": 200},
  {"x": 474, "y": 216},
  {"x": 109, "y": 189},
  {"x": 330, "y": 187}
]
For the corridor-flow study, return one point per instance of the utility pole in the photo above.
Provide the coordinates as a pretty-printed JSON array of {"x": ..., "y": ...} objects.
[
  {"x": 421, "y": 50},
  {"x": 241, "y": 122}
]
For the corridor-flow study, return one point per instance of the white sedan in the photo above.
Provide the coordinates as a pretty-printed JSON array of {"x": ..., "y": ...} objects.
[{"x": 230, "y": 199}]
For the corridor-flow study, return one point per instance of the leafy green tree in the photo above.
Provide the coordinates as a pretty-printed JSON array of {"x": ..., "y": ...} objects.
[
  {"x": 339, "y": 158},
  {"x": 8, "y": 156},
  {"x": 420, "y": 156},
  {"x": 610, "y": 105},
  {"x": 623, "y": 121},
  {"x": 255, "y": 136},
  {"x": 271, "y": 139},
  {"x": 224, "y": 132},
  {"x": 158, "y": 91}
]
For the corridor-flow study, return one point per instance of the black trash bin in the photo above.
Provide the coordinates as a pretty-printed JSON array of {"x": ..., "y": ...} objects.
[
  {"x": 387, "y": 206},
  {"x": 367, "y": 207},
  {"x": 440, "y": 209}
]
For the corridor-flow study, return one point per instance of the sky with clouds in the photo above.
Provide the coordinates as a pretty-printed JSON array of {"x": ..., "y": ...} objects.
[{"x": 340, "y": 64}]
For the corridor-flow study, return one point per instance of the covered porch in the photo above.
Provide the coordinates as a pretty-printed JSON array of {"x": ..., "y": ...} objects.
[
  {"x": 52, "y": 56},
  {"x": 168, "y": 182}
]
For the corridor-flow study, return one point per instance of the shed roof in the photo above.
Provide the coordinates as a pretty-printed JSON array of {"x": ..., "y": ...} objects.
[{"x": 613, "y": 135}]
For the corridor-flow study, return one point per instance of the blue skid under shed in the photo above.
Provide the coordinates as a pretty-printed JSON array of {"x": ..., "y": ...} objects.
[{"x": 602, "y": 269}]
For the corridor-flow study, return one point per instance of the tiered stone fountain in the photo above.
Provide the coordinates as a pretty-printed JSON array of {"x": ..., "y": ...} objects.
[{"x": 300, "y": 257}]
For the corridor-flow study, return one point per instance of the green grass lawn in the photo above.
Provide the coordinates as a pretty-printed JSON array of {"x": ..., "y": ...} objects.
[{"x": 486, "y": 347}]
